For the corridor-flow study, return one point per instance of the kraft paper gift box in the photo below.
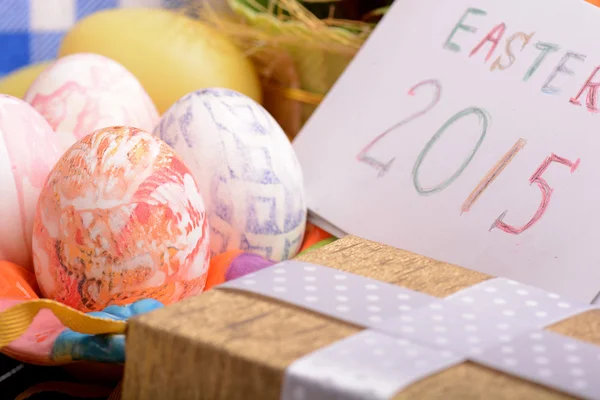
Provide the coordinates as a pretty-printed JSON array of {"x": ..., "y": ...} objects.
[{"x": 232, "y": 344}]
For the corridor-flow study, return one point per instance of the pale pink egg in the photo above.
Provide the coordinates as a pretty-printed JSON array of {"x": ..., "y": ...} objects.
[
  {"x": 84, "y": 92},
  {"x": 29, "y": 148},
  {"x": 120, "y": 219}
]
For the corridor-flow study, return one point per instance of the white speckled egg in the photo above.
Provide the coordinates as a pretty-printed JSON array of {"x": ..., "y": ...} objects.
[
  {"x": 245, "y": 168},
  {"x": 84, "y": 92},
  {"x": 29, "y": 148}
]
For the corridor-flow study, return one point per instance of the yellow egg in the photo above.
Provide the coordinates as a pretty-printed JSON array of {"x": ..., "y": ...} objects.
[
  {"x": 169, "y": 53},
  {"x": 16, "y": 83}
]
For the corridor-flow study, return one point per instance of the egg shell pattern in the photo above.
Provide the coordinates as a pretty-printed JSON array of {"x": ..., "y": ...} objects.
[
  {"x": 84, "y": 92},
  {"x": 246, "y": 169},
  {"x": 29, "y": 148},
  {"x": 120, "y": 219}
]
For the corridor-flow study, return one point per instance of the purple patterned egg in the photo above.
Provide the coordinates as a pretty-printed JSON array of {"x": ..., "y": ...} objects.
[{"x": 245, "y": 168}]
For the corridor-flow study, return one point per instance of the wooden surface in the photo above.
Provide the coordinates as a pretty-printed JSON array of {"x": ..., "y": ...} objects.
[{"x": 231, "y": 345}]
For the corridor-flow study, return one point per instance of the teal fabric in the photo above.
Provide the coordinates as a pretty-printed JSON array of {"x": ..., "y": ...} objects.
[{"x": 75, "y": 346}]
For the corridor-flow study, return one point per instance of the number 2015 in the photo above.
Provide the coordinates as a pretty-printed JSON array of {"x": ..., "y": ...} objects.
[{"x": 382, "y": 167}]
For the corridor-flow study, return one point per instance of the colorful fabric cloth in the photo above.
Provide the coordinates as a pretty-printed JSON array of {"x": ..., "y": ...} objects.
[{"x": 31, "y": 30}]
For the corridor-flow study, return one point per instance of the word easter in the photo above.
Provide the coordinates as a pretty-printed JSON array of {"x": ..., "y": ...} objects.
[{"x": 505, "y": 61}]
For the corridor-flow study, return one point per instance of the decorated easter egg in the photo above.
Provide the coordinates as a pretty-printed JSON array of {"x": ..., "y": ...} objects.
[
  {"x": 246, "y": 169},
  {"x": 28, "y": 150},
  {"x": 120, "y": 219},
  {"x": 84, "y": 92}
]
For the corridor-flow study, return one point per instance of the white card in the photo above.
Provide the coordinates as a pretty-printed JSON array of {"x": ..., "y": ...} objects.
[{"x": 494, "y": 170}]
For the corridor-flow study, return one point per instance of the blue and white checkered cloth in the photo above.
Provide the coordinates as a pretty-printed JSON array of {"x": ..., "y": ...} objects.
[{"x": 31, "y": 30}]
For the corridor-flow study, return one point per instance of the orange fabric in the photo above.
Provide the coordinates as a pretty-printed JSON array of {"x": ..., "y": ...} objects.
[
  {"x": 16, "y": 282},
  {"x": 218, "y": 267},
  {"x": 314, "y": 235},
  {"x": 594, "y": 2}
]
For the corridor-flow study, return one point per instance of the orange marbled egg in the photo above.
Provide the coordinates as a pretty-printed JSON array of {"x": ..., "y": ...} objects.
[{"x": 120, "y": 218}]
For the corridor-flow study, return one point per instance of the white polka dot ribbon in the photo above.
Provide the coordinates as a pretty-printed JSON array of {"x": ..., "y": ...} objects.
[
  {"x": 482, "y": 316},
  {"x": 349, "y": 297},
  {"x": 411, "y": 335}
]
